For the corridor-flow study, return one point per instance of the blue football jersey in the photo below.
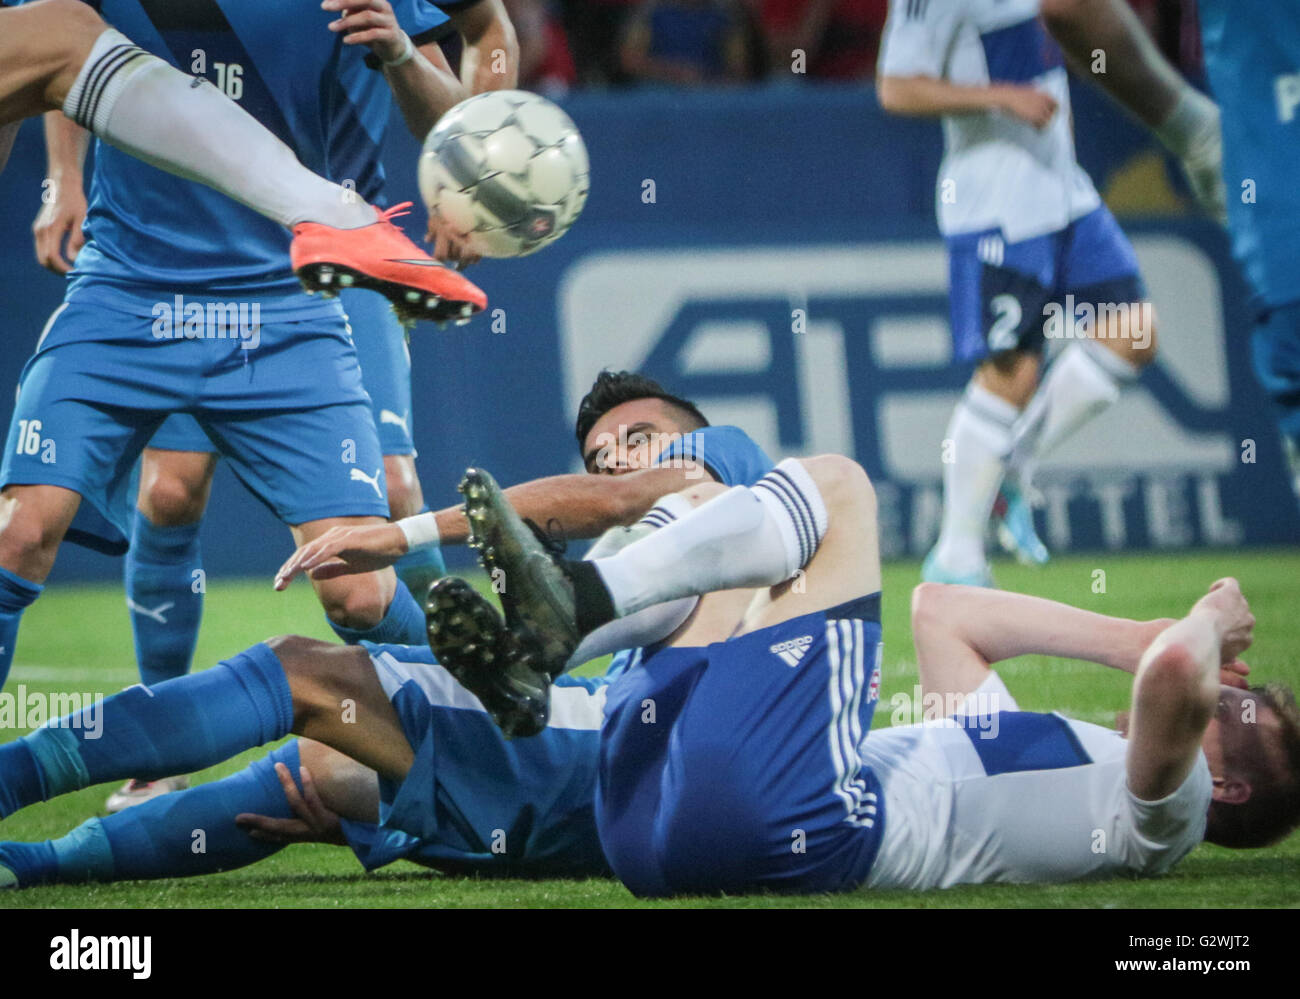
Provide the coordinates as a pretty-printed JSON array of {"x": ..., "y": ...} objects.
[
  {"x": 731, "y": 457},
  {"x": 1252, "y": 56},
  {"x": 282, "y": 64}
]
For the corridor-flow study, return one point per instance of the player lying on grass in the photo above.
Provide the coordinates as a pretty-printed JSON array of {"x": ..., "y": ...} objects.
[
  {"x": 753, "y": 750},
  {"x": 59, "y": 55},
  {"x": 639, "y": 442},
  {"x": 735, "y": 752}
]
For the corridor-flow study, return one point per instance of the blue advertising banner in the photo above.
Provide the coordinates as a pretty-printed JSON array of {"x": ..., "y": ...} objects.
[{"x": 772, "y": 254}]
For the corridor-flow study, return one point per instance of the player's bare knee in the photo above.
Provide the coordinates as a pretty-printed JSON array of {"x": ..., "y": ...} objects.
[
  {"x": 27, "y": 535},
  {"x": 170, "y": 501},
  {"x": 357, "y": 602},
  {"x": 927, "y": 603},
  {"x": 841, "y": 481}
]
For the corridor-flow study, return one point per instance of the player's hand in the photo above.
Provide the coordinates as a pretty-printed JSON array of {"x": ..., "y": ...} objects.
[
  {"x": 343, "y": 551},
  {"x": 60, "y": 218},
  {"x": 1235, "y": 621},
  {"x": 1234, "y": 674},
  {"x": 449, "y": 250},
  {"x": 1029, "y": 104},
  {"x": 371, "y": 23},
  {"x": 315, "y": 823}
]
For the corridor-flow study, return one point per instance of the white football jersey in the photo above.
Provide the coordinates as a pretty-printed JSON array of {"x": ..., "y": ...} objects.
[
  {"x": 958, "y": 811},
  {"x": 997, "y": 170}
]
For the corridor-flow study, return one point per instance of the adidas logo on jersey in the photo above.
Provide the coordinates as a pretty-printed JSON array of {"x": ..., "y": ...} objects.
[{"x": 792, "y": 651}]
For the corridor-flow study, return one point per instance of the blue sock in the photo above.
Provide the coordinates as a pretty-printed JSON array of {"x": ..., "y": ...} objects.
[
  {"x": 177, "y": 727},
  {"x": 172, "y": 836},
  {"x": 160, "y": 590},
  {"x": 16, "y": 594},
  {"x": 402, "y": 625}
]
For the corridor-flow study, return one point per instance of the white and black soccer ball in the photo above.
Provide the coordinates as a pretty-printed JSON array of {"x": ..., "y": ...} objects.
[{"x": 504, "y": 173}]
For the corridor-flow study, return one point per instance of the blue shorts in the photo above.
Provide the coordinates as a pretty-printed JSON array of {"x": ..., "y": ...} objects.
[
  {"x": 1275, "y": 349},
  {"x": 475, "y": 801},
  {"x": 290, "y": 413},
  {"x": 998, "y": 291},
  {"x": 380, "y": 343},
  {"x": 735, "y": 766}
]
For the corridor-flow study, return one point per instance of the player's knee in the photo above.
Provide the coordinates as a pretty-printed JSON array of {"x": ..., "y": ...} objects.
[
  {"x": 170, "y": 501},
  {"x": 27, "y": 534},
  {"x": 841, "y": 481},
  {"x": 77, "y": 20},
  {"x": 927, "y": 603},
  {"x": 405, "y": 497},
  {"x": 357, "y": 602}
]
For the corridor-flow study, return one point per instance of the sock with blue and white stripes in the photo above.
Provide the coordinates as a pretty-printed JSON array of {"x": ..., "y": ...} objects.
[{"x": 746, "y": 537}]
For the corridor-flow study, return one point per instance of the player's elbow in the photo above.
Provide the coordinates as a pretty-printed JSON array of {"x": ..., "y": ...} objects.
[
  {"x": 1176, "y": 676},
  {"x": 897, "y": 95}
]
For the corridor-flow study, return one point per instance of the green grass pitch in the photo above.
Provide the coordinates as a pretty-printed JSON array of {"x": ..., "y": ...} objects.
[{"x": 78, "y": 639}]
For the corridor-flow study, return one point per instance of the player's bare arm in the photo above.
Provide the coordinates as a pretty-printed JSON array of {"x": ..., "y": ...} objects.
[
  {"x": 574, "y": 506},
  {"x": 1177, "y": 689},
  {"x": 961, "y": 631},
  {"x": 490, "y": 58},
  {"x": 423, "y": 84},
  {"x": 931, "y": 96},
  {"x": 57, "y": 229},
  {"x": 1106, "y": 43}
]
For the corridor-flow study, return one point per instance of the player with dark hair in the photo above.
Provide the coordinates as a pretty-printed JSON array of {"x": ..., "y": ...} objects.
[
  {"x": 736, "y": 752},
  {"x": 537, "y": 793}
]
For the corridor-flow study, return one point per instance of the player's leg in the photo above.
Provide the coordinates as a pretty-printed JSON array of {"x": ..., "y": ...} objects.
[
  {"x": 33, "y": 522},
  {"x": 180, "y": 835},
  {"x": 326, "y": 692},
  {"x": 76, "y": 430},
  {"x": 1109, "y": 340},
  {"x": 997, "y": 291},
  {"x": 140, "y": 104},
  {"x": 162, "y": 570},
  {"x": 42, "y": 48},
  {"x": 385, "y": 360},
  {"x": 315, "y": 461},
  {"x": 699, "y": 800},
  {"x": 164, "y": 585}
]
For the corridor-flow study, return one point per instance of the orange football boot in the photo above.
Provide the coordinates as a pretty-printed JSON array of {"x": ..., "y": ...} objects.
[{"x": 382, "y": 258}]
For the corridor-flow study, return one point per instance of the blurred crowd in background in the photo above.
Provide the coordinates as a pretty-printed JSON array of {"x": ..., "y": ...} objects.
[{"x": 602, "y": 43}]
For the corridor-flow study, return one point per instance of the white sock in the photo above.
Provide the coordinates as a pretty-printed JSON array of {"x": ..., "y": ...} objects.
[
  {"x": 748, "y": 536},
  {"x": 143, "y": 106},
  {"x": 980, "y": 435},
  {"x": 653, "y": 624},
  {"x": 1084, "y": 381}
]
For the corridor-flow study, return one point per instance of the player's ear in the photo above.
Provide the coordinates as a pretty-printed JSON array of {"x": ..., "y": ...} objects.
[{"x": 1231, "y": 791}]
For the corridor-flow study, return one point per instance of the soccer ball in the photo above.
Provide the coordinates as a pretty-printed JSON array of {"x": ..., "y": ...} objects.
[{"x": 504, "y": 173}]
